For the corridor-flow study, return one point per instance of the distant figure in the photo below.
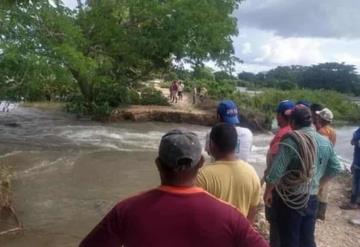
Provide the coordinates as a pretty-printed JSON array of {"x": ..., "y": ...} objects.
[
  {"x": 194, "y": 94},
  {"x": 180, "y": 90},
  {"x": 229, "y": 178},
  {"x": 227, "y": 112},
  {"x": 322, "y": 124},
  {"x": 355, "y": 171},
  {"x": 304, "y": 163},
  {"x": 173, "y": 91},
  {"x": 177, "y": 213},
  {"x": 202, "y": 93},
  {"x": 283, "y": 112}
]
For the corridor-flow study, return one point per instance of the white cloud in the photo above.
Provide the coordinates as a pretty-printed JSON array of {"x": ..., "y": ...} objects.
[
  {"x": 246, "y": 48},
  {"x": 284, "y": 51},
  {"x": 71, "y": 3}
]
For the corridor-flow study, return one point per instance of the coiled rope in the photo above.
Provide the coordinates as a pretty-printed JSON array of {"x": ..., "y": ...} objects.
[{"x": 294, "y": 187}]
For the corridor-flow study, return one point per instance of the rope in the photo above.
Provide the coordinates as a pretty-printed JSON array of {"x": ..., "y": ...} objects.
[{"x": 294, "y": 187}]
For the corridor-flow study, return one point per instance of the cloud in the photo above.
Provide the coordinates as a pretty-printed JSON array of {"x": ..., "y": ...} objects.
[
  {"x": 282, "y": 51},
  {"x": 269, "y": 50},
  {"x": 71, "y": 3},
  {"x": 302, "y": 18},
  {"x": 246, "y": 48}
]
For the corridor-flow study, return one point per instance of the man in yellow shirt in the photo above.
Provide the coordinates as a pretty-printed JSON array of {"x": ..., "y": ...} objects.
[{"x": 228, "y": 178}]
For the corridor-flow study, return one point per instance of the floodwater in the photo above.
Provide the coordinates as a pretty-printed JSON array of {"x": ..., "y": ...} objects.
[{"x": 68, "y": 173}]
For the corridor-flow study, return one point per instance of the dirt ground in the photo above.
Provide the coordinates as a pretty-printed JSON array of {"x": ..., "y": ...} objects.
[{"x": 335, "y": 231}]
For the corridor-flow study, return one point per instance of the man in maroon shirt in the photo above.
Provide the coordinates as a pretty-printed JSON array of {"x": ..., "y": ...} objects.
[{"x": 177, "y": 213}]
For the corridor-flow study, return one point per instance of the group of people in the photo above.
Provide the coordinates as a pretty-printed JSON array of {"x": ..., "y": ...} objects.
[
  {"x": 216, "y": 204},
  {"x": 176, "y": 91}
]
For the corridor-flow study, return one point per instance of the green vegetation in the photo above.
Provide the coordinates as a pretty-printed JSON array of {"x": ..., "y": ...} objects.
[
  {"x": 331, "y": 76},
  {"x": 267, "y": 100},
  {"x": 222, "y": 85},
  {"x": 95, "y": 56}
]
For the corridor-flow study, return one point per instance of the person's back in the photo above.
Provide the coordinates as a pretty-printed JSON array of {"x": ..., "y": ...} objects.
[
  {"x": 227, "y": 112},
  {"x": 326, "y": 162},
  {"x": 235, "y": 182},
  {"x": 229, "y": 178},
  {"x": 177, "y": 213},
  {"x": 305, "y": 162},
  {"x": 244, "y": 145},
  {"x": 170, "y": 216}
]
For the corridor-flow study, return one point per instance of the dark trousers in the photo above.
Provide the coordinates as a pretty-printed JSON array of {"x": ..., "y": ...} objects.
[
  {"x": 271, "y": 217},
  {"x": 297, "y": 227},
  {"x": 355, "y": 192}
]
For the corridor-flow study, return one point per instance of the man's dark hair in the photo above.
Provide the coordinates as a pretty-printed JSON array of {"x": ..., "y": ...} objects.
[
  {"x": 225, "y": 137},
  {"x": 301, "y": 117},
  {"x": 316, "y": 107}
]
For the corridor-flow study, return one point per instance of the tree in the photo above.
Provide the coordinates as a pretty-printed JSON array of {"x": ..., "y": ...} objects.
[
  {"x": 223, "y": 75},
  {"x": 114, "y": 44},
  {"x": 336, "y": 76}
]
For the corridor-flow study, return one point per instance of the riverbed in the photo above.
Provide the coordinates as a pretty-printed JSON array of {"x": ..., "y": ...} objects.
[{"x": 68, "y": 173}]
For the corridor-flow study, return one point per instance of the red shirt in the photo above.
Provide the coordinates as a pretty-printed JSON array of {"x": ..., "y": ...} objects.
[
  {"x": 176, "y": 217},
  {"x": 274, "y": 145}
]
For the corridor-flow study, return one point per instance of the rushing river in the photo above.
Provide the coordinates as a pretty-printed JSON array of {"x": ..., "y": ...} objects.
[{"x": 68, "y": 172}]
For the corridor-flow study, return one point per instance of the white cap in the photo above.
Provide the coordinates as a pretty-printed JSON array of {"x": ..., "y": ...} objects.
[{"x": 325, "y": 114}]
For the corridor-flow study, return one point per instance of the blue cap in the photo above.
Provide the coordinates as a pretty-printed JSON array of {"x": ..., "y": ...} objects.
[
  {"x": 284, "y": 106},
  {"x": 228, "y": 112},
  {"x": 304, "y": 103}
]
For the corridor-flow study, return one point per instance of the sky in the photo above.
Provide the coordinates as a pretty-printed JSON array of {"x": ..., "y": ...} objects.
[{"x": 294, "y": 32}]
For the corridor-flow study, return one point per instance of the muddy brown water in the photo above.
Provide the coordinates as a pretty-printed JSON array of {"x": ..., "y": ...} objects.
[{"x": 68, "y": 173}]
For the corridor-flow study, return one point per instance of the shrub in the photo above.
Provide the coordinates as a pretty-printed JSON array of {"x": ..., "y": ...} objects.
[{"x": 151, "y": 96}]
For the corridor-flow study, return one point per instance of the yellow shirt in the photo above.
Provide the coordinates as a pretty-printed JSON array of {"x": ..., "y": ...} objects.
[{"x": 235, "y": 182}]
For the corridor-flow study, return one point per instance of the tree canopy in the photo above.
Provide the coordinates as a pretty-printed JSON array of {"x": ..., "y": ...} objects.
[
  {"x": 340, "y": 77},
  {"x": 48, "y": 50}
]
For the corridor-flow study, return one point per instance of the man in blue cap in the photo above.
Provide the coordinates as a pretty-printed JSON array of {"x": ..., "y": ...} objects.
[
  {"x": 227, "y": 112},
  {"x": 283, "y": 112}
]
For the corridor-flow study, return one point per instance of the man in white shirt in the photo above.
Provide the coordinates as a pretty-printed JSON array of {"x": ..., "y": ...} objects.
[{"x": 227, "y": 112}]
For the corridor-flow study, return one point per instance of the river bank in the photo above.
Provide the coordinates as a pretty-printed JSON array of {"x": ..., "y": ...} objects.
[{"x": 183, "y": 112}]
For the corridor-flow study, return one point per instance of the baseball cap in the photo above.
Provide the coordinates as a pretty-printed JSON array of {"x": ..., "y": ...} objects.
[
  {"x": 228, "y": 112},
  {"x": 301, "y": 114},
  {"x": 325, "y": 114},
  {"x": 178, "y": 145},
  {"x": 285, "y": 107},
  {"x": 304, "y": 103}
]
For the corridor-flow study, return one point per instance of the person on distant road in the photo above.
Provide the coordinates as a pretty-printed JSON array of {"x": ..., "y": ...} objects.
[
  {"x": 174, "y": 91},
  {"x": 180, "y": 90},
  {"x": 177, "y": 213}
]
